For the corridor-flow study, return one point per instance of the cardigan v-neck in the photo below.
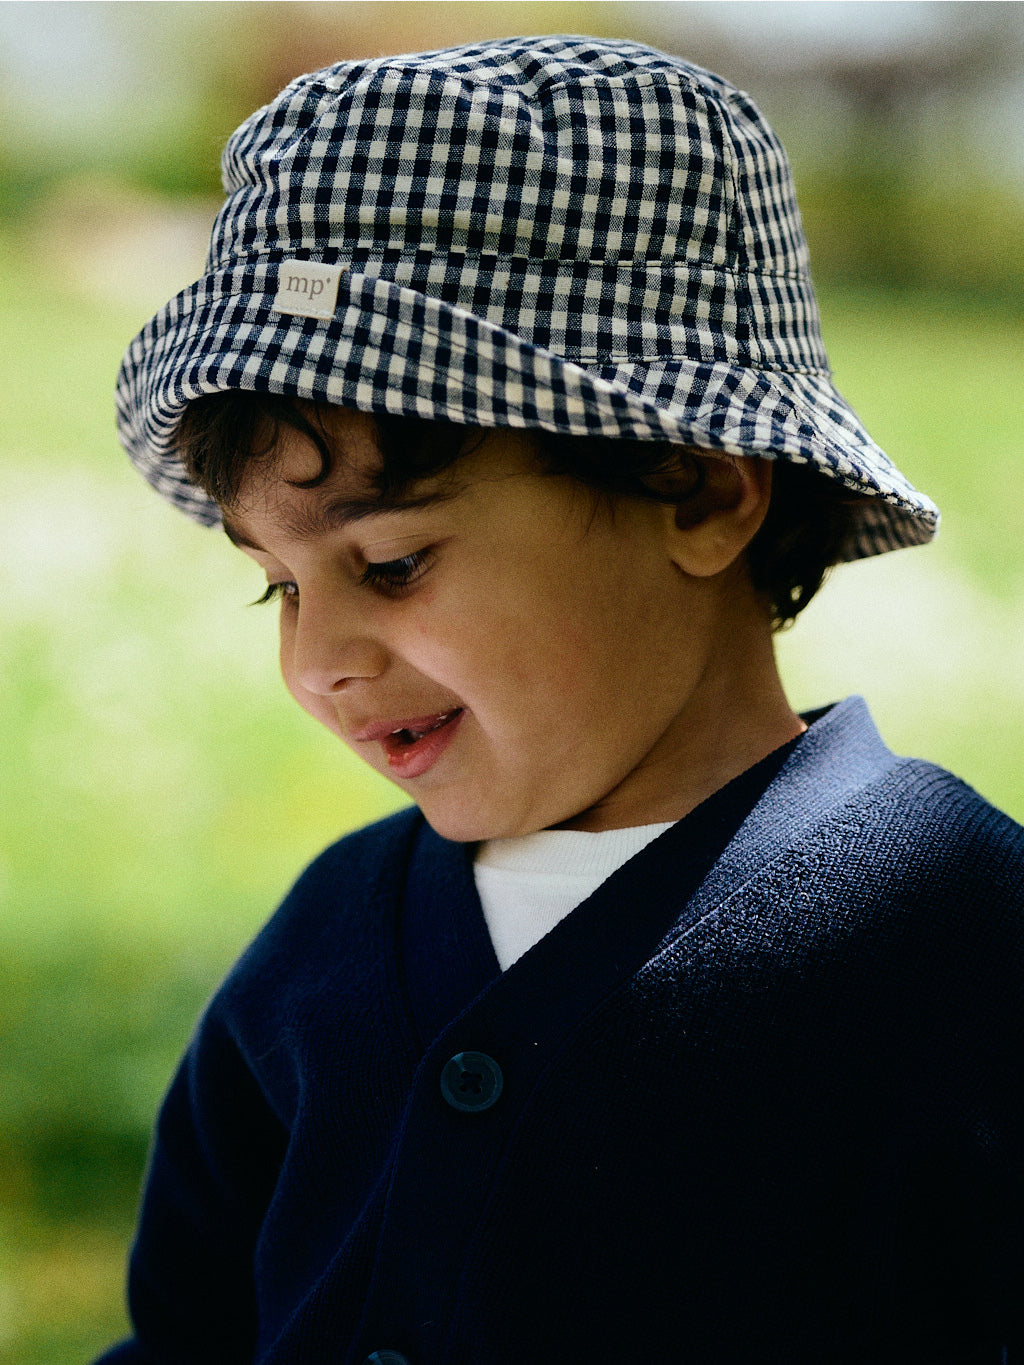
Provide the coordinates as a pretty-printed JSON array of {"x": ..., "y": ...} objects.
[
  {"x": 528, "y": 883},
  {"x": 447, "y": 954}
]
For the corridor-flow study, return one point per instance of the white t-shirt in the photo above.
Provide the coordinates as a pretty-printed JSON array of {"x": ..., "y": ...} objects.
[{"x": 526, "y": 885}]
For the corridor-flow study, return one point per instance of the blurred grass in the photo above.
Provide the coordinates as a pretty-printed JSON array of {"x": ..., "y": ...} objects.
[{"x": 161, "y": 791}]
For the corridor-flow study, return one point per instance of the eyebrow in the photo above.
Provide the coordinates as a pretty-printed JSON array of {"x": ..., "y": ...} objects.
[{"x": 335, "y": 514}]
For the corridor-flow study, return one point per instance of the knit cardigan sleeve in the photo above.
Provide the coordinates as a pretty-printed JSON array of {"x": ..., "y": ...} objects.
[
  {"x": 215, "y": 1172},
  {"x": 970, "y": 977},
  {"x": 971, "y": 1192},
  {"x": 215, "y": 1162}
]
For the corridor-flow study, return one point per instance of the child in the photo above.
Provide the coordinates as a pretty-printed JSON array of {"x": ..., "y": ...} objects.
[{"x": 671, "y": 1025}]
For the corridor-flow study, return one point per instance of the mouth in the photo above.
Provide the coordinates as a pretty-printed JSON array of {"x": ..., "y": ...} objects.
[{"x": 415, "y": 746}]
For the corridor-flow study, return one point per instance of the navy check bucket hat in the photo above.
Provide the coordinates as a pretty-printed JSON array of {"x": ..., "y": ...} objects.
[{"x": 580, "y": 235}]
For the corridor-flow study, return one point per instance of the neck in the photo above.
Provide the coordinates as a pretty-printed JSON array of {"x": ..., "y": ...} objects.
[{"x": 736, "y": 715}]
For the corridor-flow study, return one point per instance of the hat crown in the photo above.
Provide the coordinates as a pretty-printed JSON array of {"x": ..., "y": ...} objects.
[{"x": 633, "y": 177}]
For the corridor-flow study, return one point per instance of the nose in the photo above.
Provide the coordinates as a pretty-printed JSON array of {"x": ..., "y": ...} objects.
[{"x": 328, "y": 646}]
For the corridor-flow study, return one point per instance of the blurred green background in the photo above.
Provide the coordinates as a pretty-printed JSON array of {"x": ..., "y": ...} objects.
[{"x": 159, "y": 790}]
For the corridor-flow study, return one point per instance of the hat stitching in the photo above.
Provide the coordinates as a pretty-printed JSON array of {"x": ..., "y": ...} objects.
[{"x": 722, "y": 434}]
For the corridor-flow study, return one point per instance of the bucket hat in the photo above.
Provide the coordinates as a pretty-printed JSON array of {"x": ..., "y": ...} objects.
[{"x": 574, "y": 234}]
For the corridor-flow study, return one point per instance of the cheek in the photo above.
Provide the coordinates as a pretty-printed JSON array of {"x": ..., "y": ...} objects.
[
  {"x": 519, "y": 670},
  {"x": 601, "y": 653}
]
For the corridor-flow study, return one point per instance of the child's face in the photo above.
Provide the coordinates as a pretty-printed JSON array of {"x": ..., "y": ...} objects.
[{"x": 513, "y": 653}]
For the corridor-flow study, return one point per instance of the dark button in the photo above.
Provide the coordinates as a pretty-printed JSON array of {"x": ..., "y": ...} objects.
[
  {"x": 471, "y": 1081},
  {"x": 386, "y": 1358}
]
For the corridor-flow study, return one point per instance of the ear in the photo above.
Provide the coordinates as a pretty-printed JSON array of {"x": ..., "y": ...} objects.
[{"x": 714, "y": 525}]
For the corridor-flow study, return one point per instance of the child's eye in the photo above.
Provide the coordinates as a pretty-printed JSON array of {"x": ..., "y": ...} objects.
[
  {"x": 391, "y": 575},
  {"x": 276, "y": 592}
]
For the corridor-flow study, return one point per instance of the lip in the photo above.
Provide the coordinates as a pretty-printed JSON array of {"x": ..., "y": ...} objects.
[{"x": 412, "y": 758}]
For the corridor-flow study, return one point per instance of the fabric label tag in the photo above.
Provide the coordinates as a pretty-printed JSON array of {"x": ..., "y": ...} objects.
[{"x": 307, "y": 289}]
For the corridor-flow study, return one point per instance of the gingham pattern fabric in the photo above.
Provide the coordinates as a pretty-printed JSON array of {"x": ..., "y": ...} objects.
[{"x": 567, "y": 233}]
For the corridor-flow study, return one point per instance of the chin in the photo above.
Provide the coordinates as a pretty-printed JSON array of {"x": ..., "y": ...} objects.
[
  {"x": 463, "y": 827},
  {"x": 472, "y": 825}
]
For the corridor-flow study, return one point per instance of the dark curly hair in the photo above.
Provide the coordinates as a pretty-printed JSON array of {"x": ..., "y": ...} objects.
[{"x": 808, "y": 518}]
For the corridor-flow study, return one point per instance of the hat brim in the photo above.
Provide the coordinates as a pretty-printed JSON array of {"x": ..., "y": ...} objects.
[{"x": 389, "y": 348}]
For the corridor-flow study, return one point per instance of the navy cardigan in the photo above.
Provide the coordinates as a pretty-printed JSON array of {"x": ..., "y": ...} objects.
[{"x": 757, "y": 1100}]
